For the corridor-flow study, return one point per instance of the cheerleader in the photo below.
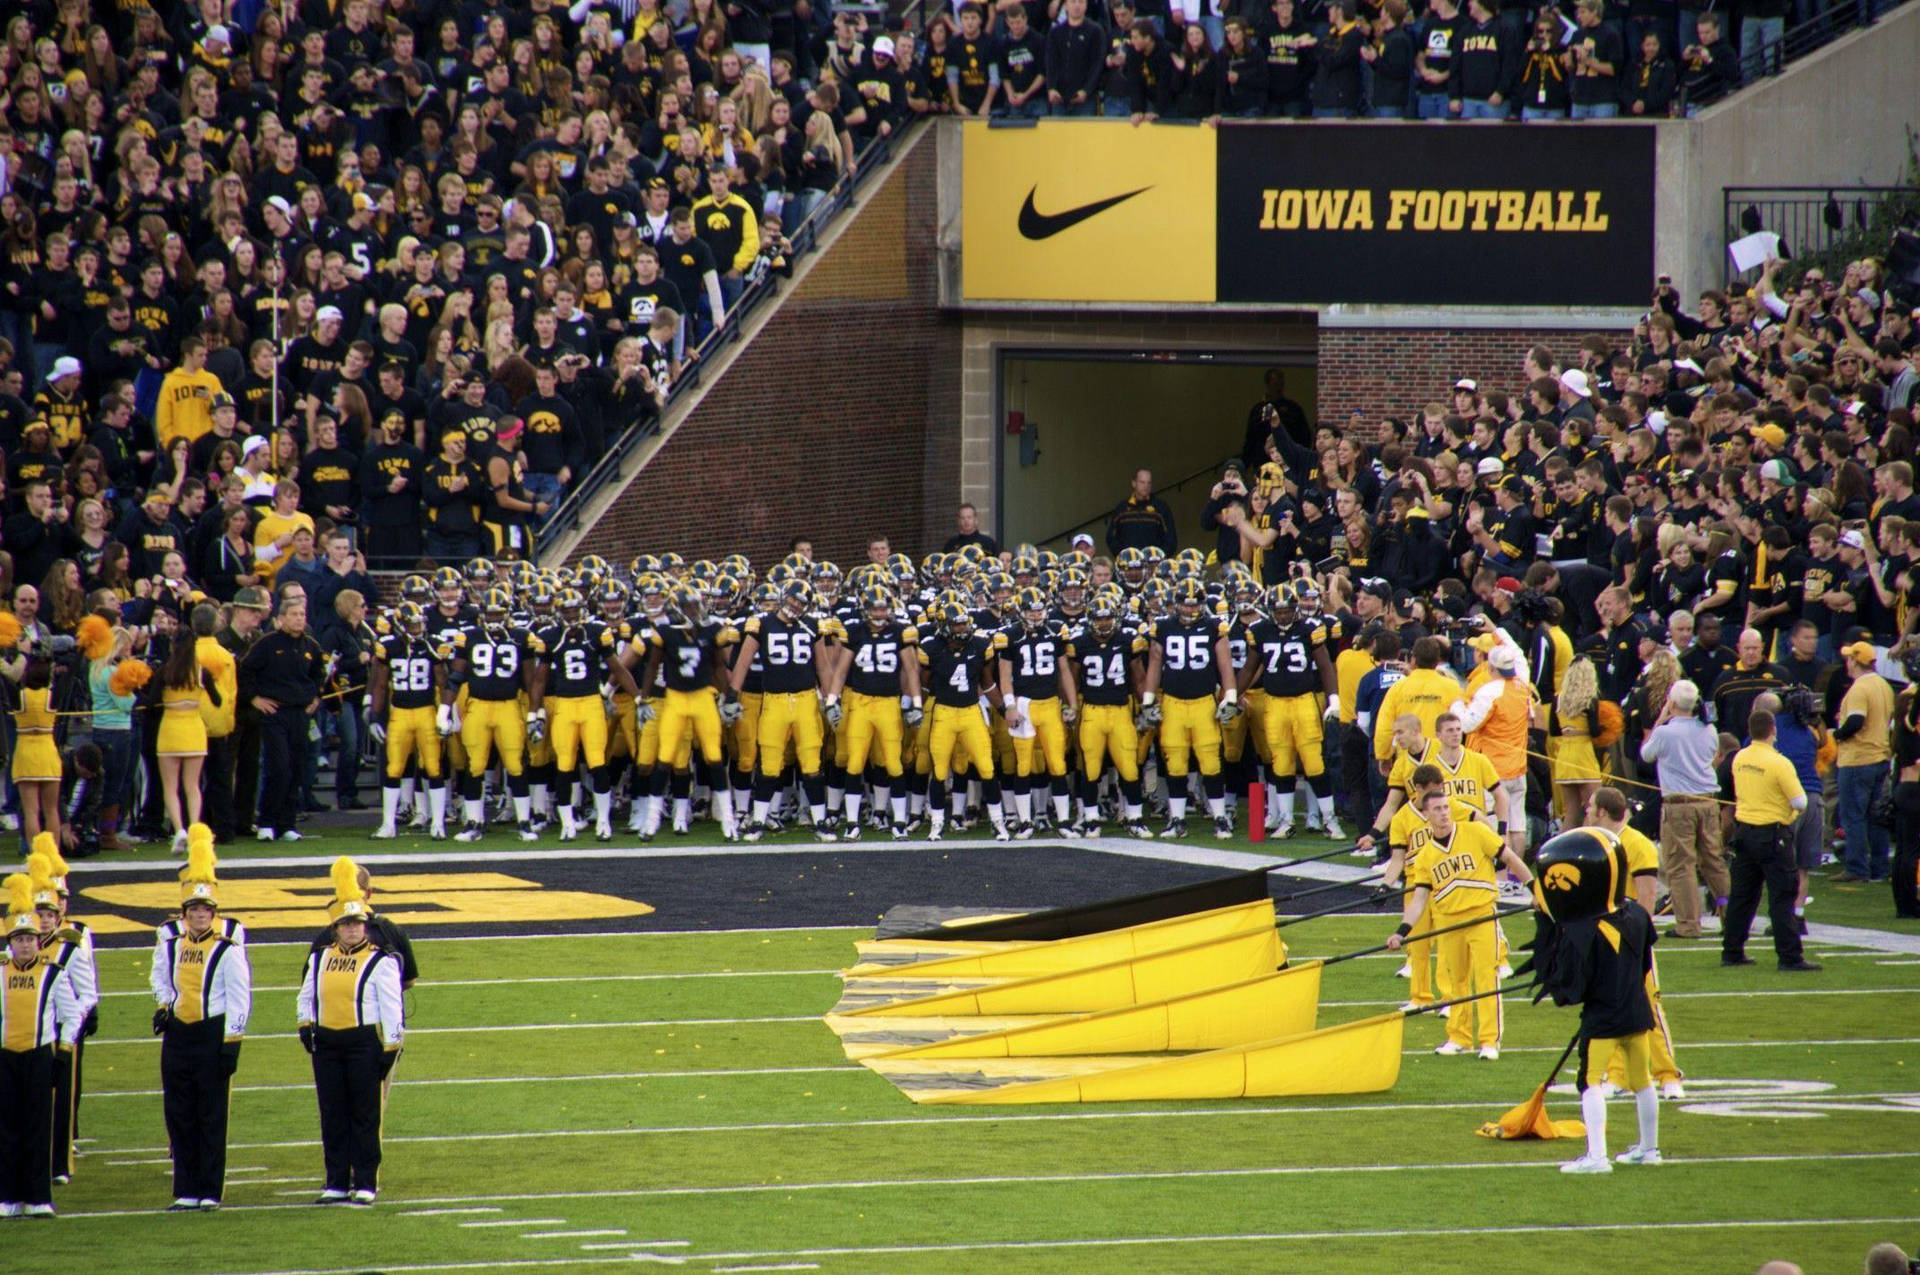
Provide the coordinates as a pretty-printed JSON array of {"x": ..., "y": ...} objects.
[
  {"x": 36, "y": 758},
  {"x": 1573, "y": 721},
  {"x": 182, "y": 744}
]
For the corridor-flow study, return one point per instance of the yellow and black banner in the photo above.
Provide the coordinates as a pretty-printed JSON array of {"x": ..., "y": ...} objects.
[
  {"x": 1087, "y": 210},
  {"x": 1390, "y": 213}
]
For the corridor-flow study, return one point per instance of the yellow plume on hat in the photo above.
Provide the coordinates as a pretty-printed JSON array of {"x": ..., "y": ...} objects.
[
  {"x": 20, "y": 917},
  {"x": 348, "y": 898},
  {"x": 198, "y": 884},
  {"x": 47, "y": 886}
]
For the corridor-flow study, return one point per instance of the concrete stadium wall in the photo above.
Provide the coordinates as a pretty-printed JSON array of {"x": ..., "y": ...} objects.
[
  {"x": 837, "y": 422},
  {"x": 1844, "y": 116}
]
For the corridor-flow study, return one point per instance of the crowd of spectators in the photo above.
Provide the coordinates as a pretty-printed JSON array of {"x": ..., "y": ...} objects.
[{"x": 1723, "y": 498}]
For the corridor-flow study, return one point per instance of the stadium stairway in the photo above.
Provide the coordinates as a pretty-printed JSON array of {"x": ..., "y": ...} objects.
[{"x": 814, "y": 414}]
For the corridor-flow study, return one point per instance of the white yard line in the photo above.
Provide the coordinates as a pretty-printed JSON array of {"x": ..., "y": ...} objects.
[
  {"x": 100, "y": 1041},
  {"x": 512, "y": 1221},
  {"x": 1037, "y": 1179},
  {"x": 573, "y": 1235},
  {"x": 1277, "y": 1237},
  {"x": 570, "y": 978},
  {"x": 451, "y": 1212}
]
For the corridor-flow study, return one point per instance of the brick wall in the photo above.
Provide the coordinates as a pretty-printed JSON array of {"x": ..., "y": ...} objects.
[
  {"x": 1397, "y": 371},
  {"x": 837, "y": 422}
]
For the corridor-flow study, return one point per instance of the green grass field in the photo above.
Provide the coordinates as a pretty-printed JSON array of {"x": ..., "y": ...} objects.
[{"x": 626, "y": 1100}]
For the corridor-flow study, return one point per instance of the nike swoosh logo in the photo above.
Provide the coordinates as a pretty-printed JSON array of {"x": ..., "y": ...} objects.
[{"x": 1037, "y": 225}]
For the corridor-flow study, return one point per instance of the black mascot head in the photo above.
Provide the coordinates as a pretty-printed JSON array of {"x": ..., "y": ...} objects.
[{"x": 1582, "y": 874}]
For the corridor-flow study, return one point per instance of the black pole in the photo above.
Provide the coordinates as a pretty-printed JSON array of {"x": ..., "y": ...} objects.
[
  {"x": 1445, "y": 929},
  {"x": 1326, "y": 889}
]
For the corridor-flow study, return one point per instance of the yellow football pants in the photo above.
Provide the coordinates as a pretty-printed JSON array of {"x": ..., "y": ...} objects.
[
  {"x": 576, "y": 724},
  {"x": 959, "y": 734},
  {"x": 494, "y": 724},
  {"x": 410, "y": 733},
  {"x": 688, "y": 717},
  {"x": 871, "y": 727},
  {"x": 792, "y": 716},
  {"x": 1106, "y": 731},
  {"x": 1631, "y": 1055},
  {"x": 1189, "y": 733},
  {"x": 1049, "y": 738},
  {"x": 1294, "y": 735}
]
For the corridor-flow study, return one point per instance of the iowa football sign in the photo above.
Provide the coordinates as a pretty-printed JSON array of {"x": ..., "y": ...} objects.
[{"x": 1089, "y": 210}]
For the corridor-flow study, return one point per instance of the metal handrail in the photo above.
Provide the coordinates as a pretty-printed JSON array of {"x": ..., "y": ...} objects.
[
  {"x": 1809, "y": 219},
  {"x": 804, "y": 237},
  {"x": 1107, "y": 512}
]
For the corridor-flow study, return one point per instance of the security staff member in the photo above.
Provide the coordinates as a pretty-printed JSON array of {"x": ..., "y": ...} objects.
[
  {"x": 281, "y": 677},
  {"x": 350, "y": 1022},
  {"x": 204, "y": 989},
  {"x": 39, "y": 1018},
  {"x": 68, "y": 947},
  {"x": 1767, "y": 799}
]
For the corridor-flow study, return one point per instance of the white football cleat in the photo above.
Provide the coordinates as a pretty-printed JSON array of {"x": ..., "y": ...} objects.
[
  {"x": 1639, "y": 1155},
  {"x": 1587, "y": 1164},
  {"x": 385, "y": 832}
]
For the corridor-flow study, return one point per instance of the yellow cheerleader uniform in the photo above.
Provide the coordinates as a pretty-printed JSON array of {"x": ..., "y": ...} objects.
[
  {"x": 183, "y": 732},
  {"x": 35, "y": 757},
  {"x": 1574, "y": 761}
]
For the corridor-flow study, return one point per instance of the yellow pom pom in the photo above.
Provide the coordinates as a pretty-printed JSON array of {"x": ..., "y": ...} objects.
[
  {"x": 9, "y": 630},
  {"x": 128, "y": 676},
  {"x": 95, "y": 637}
]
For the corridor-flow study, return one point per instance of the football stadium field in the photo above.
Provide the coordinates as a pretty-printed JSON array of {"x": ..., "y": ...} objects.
[{"x": 617, "y": 1059}]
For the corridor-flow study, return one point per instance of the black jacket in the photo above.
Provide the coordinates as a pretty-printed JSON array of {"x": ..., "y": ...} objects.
[
  {"x": 1336, "y": 75},
  {"x": 1075, "y": 58}
]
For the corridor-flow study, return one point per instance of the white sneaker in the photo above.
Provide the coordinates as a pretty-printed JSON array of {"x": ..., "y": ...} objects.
[
  {"x": 1587, "y": 1164},
  {"x": 1639, "y": 1155},
  {"x": 1489, "y": 1053},
  {"x": 385, "y": 832},
  {"x": 184, "y": 1204},
  {"x": 331, "y": 1196},
  {"x": 1449, "y": 1049},
  {"x": 209, "y": 1206},
  {"x": 9, "y": 1210},
  {"x": 293, "y": 834},
  {"x": 1405, "y": 971},
  {"x": 264, "y": 833},
  {"x": 362, "y": 1198},
  {"x": 1503, "y": 973},
  {"x": 1673, "y": 1090},
  {"x": 37, "y": 1210},
  {"x": 180, "y": 841}
]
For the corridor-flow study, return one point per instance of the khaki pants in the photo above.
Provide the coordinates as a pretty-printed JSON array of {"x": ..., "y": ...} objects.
[{"x": 1690, "y": 851}]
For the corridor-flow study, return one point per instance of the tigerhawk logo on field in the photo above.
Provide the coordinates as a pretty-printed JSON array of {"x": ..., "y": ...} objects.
[{"x": 1508, "y": 211}]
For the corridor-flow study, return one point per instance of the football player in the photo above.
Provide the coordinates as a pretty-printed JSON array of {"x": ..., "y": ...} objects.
[
  {"x": 1034, "y": 684},
  {"x": 1104, "y": 658},
  {"x": 954, "y": 662},
  {"x": 406, "y": 679},
  {"x": 788, "y": 641},
  {"x": 581, "y": 654},
  {"x": 493, "y": 663},
  {"x": 880, "y": 673},
  {"x": 684, "y": 652},
  {"x": 1186, "y": 658},
  {"x": 1293, "y": 666}
]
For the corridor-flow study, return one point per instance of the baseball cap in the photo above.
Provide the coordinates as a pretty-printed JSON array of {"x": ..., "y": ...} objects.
[
  {"x": 280, "y": 205},
  {"x": 1655, "y": 632},
  {"x": 1468, "y": 384},
  {"x": 220, "y": 400},
  {"x": 1489, "y": 465},
  {"x": 1574, "y": 382},
  {"x": 219, "y": 33},
  {"x": 255, "y": 443},
  {"x": 1777, "y": 471},
  {"x": 1861, "y": 652},
  {"x": 326, "y": 312},
  {"x": 66, "y": 365},
  {"x": 1507, "y": 584},
  {"x": 1515, "y": 486},
  {"x": 1082, "y": 539},
  {"x": 252, "y": 598},
  {"x": 1378, "y": 587},
  {"x": 1852, "y": 540},
  {"x": 1772, "y": 436},
  {"x": 883, "y": 47},
  {"x": 1504, "y": 659}
]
